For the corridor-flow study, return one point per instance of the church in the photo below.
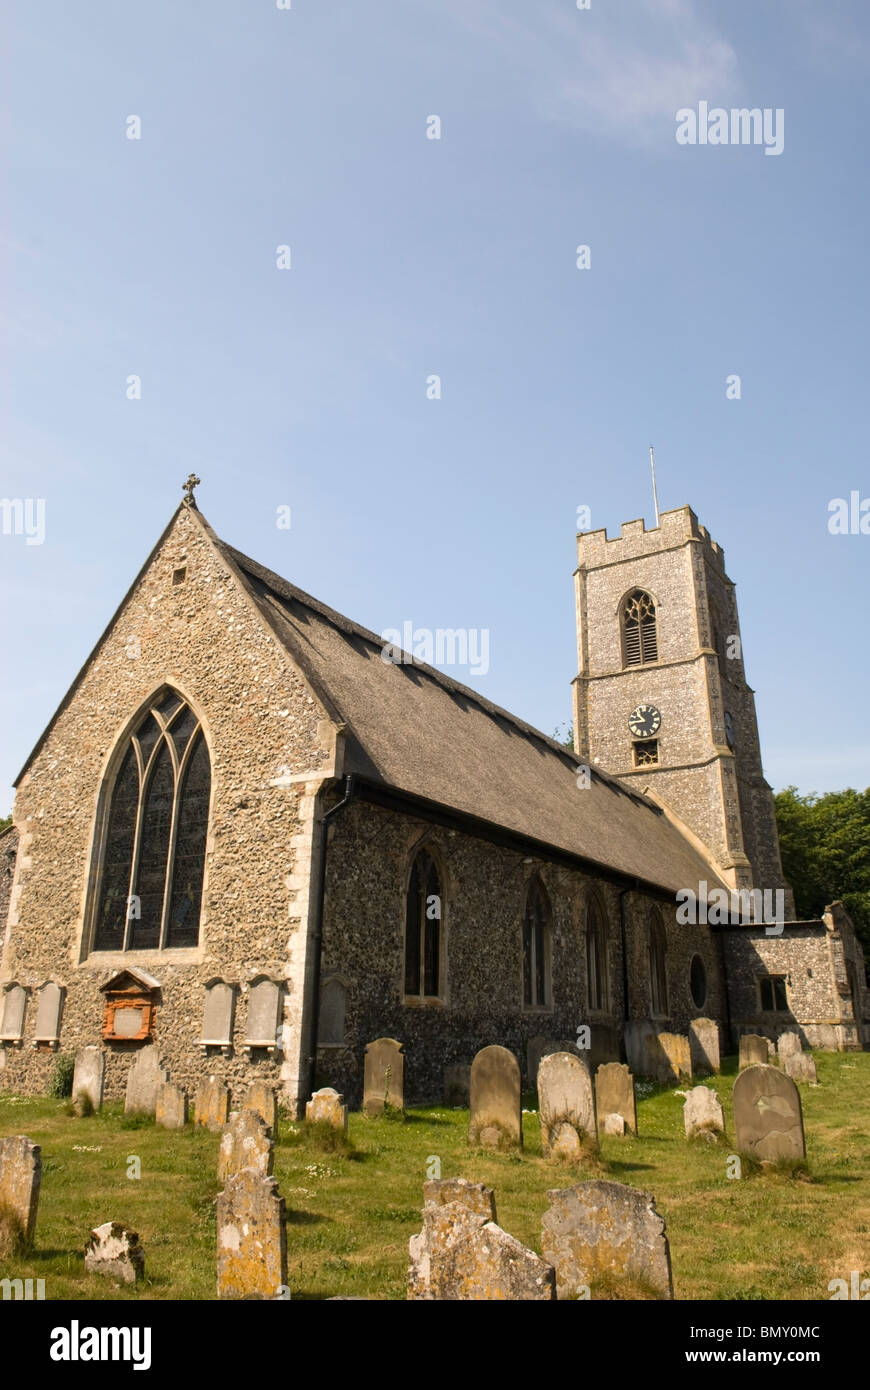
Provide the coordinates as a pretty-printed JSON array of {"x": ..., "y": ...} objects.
[{"x": 251, "y": 838}]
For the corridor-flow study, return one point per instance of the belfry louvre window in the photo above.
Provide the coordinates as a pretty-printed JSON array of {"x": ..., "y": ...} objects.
[
  {"x": 640, "y": 644},
  {"x": 536, "y": 947},
  {"x": 646, "y": 752},
  {"x": 149, "y": 892},
  {"x": 423, "y": 929}
]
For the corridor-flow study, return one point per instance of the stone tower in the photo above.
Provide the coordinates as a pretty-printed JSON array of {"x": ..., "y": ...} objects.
[{"x": 661, "y": 698}]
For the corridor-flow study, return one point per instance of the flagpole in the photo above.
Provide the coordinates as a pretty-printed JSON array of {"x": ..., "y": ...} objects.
[{"x": 652, "y": 464}]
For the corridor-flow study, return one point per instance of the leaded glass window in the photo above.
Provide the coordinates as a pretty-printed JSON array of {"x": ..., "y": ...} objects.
[
  {"x": 150, "y": 889},
  {"x": 423, "y": 929},
  {"x": 536, "y": 946}
]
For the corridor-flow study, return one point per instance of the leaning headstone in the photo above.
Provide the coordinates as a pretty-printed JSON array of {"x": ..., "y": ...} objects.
[
  {"x": 702, "y": 1114},
  {"x": 88, "y": 1075},
  {"x": 457, "y": 1085},
  {"x": 260, "y": 1097},
  {"x": 461, "y": 1254},
  {"x": 20, "y": 1178},
  {"x": 801, "y": 1066},
  {"x": 679, "y": 1056},
  {"x": 143, "y": 1081},
  {"x": 326, "y": 1106},
  {"x": 614, "y": 1095},
  {"x": 170, "y": 1110},
  {"x": 606, "y": 1231},
  {"x": 768, "y": 1120},
  {"x": 114, "y": 1251},
  {"x": 212, "y": 1104},
  {"x": 245, "y": 1143},
  {"x": 704, "y": 1046},
  {"x": 753, "y": 1051},
  {"x": 384, "y": 1076},
  {"x": 251, "y": 1237},
  {"x": 788, "y": 1045},
  {"x": 496, "y": 1100},
  {"x": 566, "y": 1105}
]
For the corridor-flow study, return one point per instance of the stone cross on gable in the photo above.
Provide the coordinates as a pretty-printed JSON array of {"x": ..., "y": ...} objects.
[{"x": 192, "y": 482}]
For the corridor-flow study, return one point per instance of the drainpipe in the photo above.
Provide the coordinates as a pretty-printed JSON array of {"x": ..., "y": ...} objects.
[
  {"x": 622, "y": 933},
  {"x": 349, "y": 791}
]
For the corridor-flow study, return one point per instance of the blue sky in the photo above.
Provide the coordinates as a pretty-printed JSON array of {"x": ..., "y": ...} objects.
[{"x": 411, "y": 257}]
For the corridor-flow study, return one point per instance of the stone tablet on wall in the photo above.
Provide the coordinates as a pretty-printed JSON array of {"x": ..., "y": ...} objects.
[
  {"x": 753, "y": 1051},
  {"x": 606, "y": 1232},
  {"x": 331, "y": 1019},
  {"x": 768, "y": 1119},
  {"x": 264, "y": 1007},
  {"x": 20, "y": 1178},
  {"x": 566, "y": 1105},
  {"x": 704, "y": 1045},
  {"x": 496, "y": 1100},
  {"x": 218, "y": 1014},
  {"x": 48, "y": 1013},
  {"x": 88, "y": 1076},
  {"x": 251, "y": 1238},
  {"x": 384, "y": 1076},
  {"x": 614, "y": 1095},
  {"x": 143, "y": 1081}
]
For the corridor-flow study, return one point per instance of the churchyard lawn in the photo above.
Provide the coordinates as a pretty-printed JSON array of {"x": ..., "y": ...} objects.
[{"x": 773, "y": 1236}]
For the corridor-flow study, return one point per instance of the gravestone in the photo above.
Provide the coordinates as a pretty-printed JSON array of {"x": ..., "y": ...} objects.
[
  {"x": 113, "y": 1250},
  {"x": 457, "y": 1085},
  {"x": 264, "y": 1014},
  {"x": 538, "y": 1048},
  {"x": 753, "y": 1051},
  {"x": 614, "y": 1095},
  {"x": 566, "y": 1105},
  {"x": 704, "y": 1046},
  {"x": 212, "y": 1104},
  {"x": 326, "y": 1106},
  {"x": 260, "y": 1097},
  {"x": 638, "y": 1032},
  {"x": 768, "y": 1120},
  {"x": 20, "y": 1178},
  {"x": 604, "y": 1230},
  {"x": 170, "y": 1109},
  {"x": 251, "y": 1238},
  {"x": 800, "y": 1066},
  {"x": 88, "y": 1076},
  {"x": 143, "y": 1080},
  {"x": 788, "y": 1045},
  {"x": 245, "y": 1143},
  {"x": 384, "y": 1076},
  {"x": 702, "y": 1114},
  {"x": 217, "y": 1014},
  {"x": 613, "y": 1124},
  {"x": 678, "y": 1053},
  {"x": 496, "y": 1100},
  {"x": 461, "y": 1254}
]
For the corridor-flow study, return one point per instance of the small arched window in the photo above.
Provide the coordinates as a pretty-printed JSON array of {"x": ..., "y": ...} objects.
[
  {"x": 640, "y": 644},
  {"x": 423, "y": 929},
  {"x": 149, "y": 889},
  {"x": 536, "y": 946},
  {"x": 596, "y": 955},
  {"x": 658, "y": 970}
]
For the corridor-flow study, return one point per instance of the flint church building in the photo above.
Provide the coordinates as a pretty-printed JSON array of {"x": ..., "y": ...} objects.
[{"x": 247, "y": 838}]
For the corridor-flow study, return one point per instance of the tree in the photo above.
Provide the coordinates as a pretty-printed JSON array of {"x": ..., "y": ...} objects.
[
  {"x": 825, "y": 846},
  {"x": 5, "y": 821}
]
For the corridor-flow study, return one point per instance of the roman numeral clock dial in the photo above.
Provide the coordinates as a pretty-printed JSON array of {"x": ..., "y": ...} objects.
[{"x": 644, "y": 721}]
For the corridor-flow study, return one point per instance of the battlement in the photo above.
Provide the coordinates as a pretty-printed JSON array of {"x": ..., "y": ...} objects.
[{"x": 675, "y": 527}]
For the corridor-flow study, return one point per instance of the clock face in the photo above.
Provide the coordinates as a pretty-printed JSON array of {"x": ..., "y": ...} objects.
[{"x": 644, "y": 721}]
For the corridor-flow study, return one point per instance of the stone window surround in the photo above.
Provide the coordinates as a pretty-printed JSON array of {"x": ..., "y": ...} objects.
[
  {"x": 595, "y": 897},
  {"x": 430, "y": 1001},
  {"x": 548, "y": 1007}
]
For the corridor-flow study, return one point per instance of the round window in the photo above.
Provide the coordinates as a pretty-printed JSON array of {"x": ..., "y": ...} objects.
[{"x": 698, "y": 981}]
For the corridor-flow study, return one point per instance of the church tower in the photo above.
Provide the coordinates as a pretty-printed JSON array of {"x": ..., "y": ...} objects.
[{"x": 661, "y": 699}]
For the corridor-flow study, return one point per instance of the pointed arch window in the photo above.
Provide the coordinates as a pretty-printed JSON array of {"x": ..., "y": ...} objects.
[
  {"x": 640, "y": 645},
  {"x": 596, "y": 955},
  {"x": 658, "y": 971},
  {"x": 536, "y": 946},
  {"x": 423, "y": 929},
  {"x": 149, "y": 890}
]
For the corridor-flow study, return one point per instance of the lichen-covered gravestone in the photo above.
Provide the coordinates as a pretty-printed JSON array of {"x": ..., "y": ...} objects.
[
  {"x": 604, "y": 1231},
  {"x": 566, "y": 1105},
  {"x": 614, "y": 1095},
  {"x": 753, "y": 1051},
  {"x": 113, "y": 1250},
  {"x": 212, "y": 1104},
  {"x": 170, "y": 1110},
  {"x": 245, "y": 1143},
  {"x": 251, "y": 1237},
  {"x": 143, "y": 1081},
  {"x": 678, "y": 1053},
  {"x": 461, "y": 1254},
  {"x": 327, "y": 1107},
  {"x": 702, "y": 1114},
  {"x": 88, "y": 1076},
  {"x": 704, "y": 1045},
  {"x": 496, "y": 1100},
  {"x": 538, "y": 1048},
  {"x": 384, "y": 1076},
  {"x": 768, "y": 1120},
  {"x": 800, "y": 1066},
  {"x": 260, "y": 1097},
  {"x": 20, "y": 1178},
  {"x": 788, "y": 1045}
]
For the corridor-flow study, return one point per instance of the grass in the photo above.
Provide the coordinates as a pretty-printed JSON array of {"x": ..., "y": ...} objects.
[{"x": 780, "y": 1233}]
